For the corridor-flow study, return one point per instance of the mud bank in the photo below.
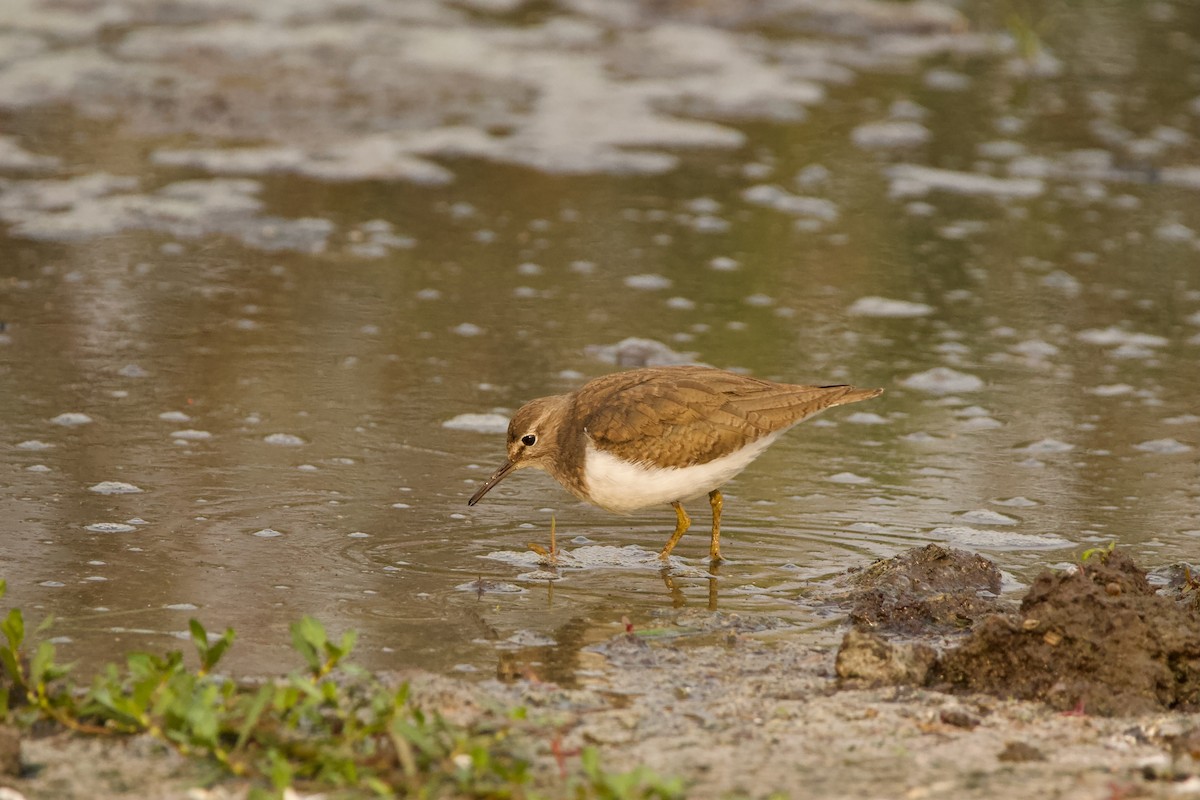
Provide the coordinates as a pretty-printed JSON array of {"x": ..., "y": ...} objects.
[{"x": 743, "y": 711}]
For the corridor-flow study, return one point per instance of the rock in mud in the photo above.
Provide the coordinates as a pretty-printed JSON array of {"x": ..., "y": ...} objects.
[
  {"x": 932, "y": 589},
  {"x": 1098, "y": 639},
  {"x": 867, "y": 659},
  {"x": 1017, "y": 752}
]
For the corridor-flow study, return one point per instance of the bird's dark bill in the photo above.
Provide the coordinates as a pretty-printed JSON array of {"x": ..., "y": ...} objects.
[{"x": 497, "y": 476}]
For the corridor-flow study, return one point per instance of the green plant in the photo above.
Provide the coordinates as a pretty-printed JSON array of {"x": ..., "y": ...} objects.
[
  {"x": 332, "y": 725},
  {"x": 1104, "y": 551}
]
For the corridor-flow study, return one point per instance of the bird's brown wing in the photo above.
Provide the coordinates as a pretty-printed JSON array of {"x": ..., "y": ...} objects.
[{"x": 679, "y": 416}]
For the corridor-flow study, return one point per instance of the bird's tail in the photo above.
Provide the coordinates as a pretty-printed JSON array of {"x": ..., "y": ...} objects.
[{"x": 851, "y": 394}]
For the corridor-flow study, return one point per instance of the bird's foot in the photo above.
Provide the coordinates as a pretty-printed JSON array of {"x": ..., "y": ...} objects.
[{"x": 549, "y": 557}]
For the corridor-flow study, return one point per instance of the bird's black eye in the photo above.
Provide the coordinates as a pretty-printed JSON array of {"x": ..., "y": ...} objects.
[{"x": 528, "y": 440}]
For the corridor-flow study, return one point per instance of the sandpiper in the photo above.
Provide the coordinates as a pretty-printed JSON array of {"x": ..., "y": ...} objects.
[{"x": 658, "y": 435}]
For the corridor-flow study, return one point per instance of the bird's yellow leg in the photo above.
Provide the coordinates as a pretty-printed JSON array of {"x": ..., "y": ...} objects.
[
  {"x": 550, "y": 556},
  {"x": 716, "y": 501},
  {"x": 682, "y": 523}
]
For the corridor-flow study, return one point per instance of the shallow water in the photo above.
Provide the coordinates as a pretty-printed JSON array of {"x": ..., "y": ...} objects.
[{"x": 271, "y": 356}]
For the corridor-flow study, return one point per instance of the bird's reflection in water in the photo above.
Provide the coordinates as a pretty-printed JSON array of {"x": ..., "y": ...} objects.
[
  {"x": 559, "y": 663},
  {"x": 679, "y": 599}
]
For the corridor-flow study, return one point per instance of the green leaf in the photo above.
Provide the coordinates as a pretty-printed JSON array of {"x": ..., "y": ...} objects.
[
  {"x": 312, "y": 631},
  {"x": 210, "y": 653},
  {"x": 589, "y": 759},
  {"x": 416, "y": 736},
  {"x": 279, "y": 770},
  {"x": 347, "y": 645},
  {"x": 199, "y": 637},
  {"x": 119, "y": 707},
  {"x": 10, "y": 660},
  {"x": 60, "y": 670},
  {"x": 42, "y": 664},
  {"x": 308, "y": 639},
  {"x": 217, "y": 651},
  {"x": 1104, "y": 551},
  {"x": 14, "y": 628},
  {"x": 253, "y": 713},
  {"x": 202, "y": 725}
]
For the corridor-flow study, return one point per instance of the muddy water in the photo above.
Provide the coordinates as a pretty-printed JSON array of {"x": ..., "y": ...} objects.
[{"x": 224, "y": 387}]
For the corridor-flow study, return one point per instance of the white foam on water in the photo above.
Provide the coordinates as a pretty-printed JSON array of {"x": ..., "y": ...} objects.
[
  {"x": 467, "y": 329},
  {"x": 848, "y": 477},
  {"x": 997, "y": 540},
  {"x": 874, "y": 306},
  {"x": 478, "y": 423},
  {"x": 1113, "y": 336},
  {"x": 284, "y": 440},
  {"x": 1015, "y": 502},
  {"x": 70, "y": 419},
  {"x": 648, "y": 282},
  {"x": 916, "y": 180},
  {"x": 191, "y": 435},
  {"x": 983, "y": 516},
  {"x": 114, "y": 487},
  {"x": 943, "y": 381},
  {"x": 866, "y": 418},
  {"x": 109, "y": 527},
  {"x": 1110, "y": 390},
  {"x": 1163, "y": 446},
  {"x": 1047, "y": 446},
  {"x": 889, "y": 135}
]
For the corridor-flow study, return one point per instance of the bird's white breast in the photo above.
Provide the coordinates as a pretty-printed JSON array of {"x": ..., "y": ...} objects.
[{"x": 623, "y": 486}]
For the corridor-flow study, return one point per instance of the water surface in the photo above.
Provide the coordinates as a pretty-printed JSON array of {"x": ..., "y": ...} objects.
[{"x": 264, "y": 355}]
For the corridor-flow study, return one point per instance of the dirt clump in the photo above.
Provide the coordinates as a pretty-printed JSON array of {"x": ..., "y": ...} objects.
[
  {"x": 10, "y": 752},
  {"x": 867, "y": 659},
  {"x": 1017, "y": 752},
  {"x": 932, "y": 589},
  {"x": 1097, "y": 639}
]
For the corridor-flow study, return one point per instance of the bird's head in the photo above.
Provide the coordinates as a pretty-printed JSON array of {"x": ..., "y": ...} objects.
[{"x": 532, "y": 440}]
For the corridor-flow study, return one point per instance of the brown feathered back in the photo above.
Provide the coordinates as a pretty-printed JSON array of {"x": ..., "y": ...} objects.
[{"x": 679, "y": 416}]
